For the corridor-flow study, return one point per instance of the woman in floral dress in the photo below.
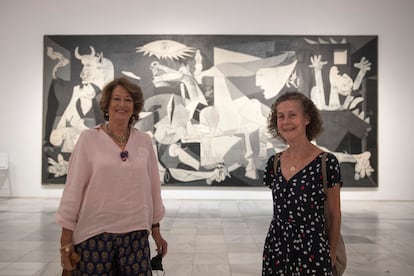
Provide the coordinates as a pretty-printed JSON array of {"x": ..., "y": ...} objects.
[{"x": 297, "y": 242}]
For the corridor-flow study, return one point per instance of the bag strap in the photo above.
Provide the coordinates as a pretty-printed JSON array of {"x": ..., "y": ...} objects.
[
  {"x": 325, "y": 188},
  {"x": 275, "y": 162},
  {"x": 324, "y": 178}
]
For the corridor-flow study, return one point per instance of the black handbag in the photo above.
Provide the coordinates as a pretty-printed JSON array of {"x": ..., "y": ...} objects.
[{"x": 156, "y": 264}]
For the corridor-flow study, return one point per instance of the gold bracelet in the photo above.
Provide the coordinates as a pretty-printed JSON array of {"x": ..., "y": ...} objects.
[{"x": 66, "y": 248}]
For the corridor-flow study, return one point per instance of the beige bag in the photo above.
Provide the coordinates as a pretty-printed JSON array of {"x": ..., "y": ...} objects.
[{"x": 340, "y": 248}]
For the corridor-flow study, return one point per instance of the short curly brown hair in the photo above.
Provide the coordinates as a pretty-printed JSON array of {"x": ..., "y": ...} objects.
[
  {"x": 313, "y": 129},
  {"x": 134, "y": 91}
]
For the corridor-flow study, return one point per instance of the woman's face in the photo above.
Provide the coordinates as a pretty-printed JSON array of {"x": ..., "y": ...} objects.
[
  {"x": 121, "y": 105},
  {"x": 291, "y": 120}
]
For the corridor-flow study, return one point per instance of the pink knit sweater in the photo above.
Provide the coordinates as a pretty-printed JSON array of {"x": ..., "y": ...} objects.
[{"x": 105, "y": 194}]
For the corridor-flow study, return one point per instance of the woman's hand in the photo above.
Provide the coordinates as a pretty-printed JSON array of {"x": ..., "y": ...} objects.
[
  {"x": 66, "y": 249},
  {"x": 162, "y": 245},
  {"x": 65, "y": 253}
]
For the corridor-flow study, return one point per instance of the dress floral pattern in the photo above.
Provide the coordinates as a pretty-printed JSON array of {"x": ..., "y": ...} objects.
[{"x": 297, "y": 243}]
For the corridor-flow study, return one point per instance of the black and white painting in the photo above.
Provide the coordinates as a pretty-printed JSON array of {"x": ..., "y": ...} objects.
[{"x": 207, "y": 99}]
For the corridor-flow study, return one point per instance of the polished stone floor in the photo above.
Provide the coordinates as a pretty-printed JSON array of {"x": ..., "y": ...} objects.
[{"x": 216, "y": 237}]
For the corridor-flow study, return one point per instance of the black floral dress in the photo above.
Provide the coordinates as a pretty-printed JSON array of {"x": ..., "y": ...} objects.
[{"x": 297, "y": 243}]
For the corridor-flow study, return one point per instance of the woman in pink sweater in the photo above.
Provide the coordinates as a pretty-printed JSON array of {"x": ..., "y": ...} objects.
[{"x": 112, "y": 197}]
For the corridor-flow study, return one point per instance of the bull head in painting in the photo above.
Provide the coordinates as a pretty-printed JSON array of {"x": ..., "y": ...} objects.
[{"x": 96, "y": 69}]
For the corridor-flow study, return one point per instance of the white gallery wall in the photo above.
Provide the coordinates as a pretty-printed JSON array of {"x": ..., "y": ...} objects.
[{"x": 23, "y": 23}]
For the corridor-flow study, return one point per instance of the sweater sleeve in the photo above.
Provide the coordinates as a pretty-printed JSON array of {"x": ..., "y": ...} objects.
[{"x": 77, "y": 179}]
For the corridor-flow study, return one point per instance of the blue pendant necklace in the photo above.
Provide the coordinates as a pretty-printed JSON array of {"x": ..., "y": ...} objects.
[{"x": 121, "y": 140}]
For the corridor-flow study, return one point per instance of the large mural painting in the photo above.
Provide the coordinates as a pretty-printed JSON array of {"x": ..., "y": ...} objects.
[{"x": 207, "y": 99}]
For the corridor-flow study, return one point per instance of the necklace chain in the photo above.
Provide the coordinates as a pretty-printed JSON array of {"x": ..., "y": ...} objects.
[
  {"x": 121, "y": 139},
  {"x": 293, "y": 164},
  {"x": 296, "y": 162}
]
